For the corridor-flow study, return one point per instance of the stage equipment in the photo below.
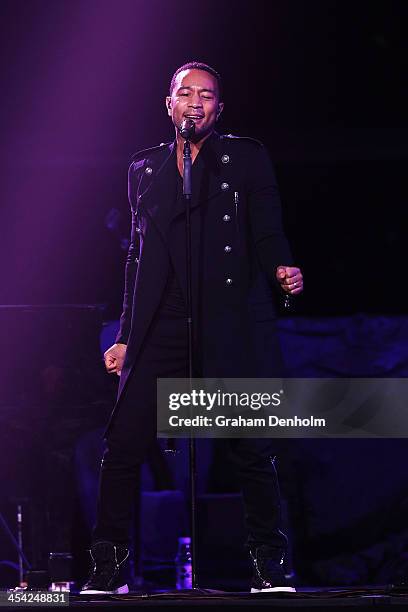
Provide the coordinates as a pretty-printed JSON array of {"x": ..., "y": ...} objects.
[{"x": 187, "y": 129}]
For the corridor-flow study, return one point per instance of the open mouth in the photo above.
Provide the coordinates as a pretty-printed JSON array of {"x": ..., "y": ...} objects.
[{"x": 194, "y": 117}]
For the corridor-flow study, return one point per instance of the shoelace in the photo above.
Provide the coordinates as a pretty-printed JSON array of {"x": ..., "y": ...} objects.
[
  {"x": 271, "y": 570},
  {"x": 105, "y": 569}
]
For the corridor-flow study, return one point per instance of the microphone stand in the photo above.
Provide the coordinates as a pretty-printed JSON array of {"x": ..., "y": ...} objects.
[{"x": 187, "y": 192}]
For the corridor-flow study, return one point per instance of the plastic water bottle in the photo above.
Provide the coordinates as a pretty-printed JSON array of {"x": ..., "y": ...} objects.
[{"x": 184, "y": 577}]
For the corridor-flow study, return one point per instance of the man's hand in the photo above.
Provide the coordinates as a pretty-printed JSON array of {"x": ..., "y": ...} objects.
[
  {"x": 114, "y": 358},
  {"x": 290, "y": 279}
]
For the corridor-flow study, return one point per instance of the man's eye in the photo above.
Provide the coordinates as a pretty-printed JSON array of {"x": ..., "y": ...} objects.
[
  {"x": 184, "y": 94},
  {"x": 207, "y": 97}
]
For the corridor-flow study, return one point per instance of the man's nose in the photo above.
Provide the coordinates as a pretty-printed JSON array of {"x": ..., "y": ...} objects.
[{"x": 195, "y": 101}]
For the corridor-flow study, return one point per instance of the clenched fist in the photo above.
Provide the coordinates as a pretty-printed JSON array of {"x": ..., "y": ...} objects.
[
  {"x": 114, "y": 358},
  {"x": 290, "y": 279}
]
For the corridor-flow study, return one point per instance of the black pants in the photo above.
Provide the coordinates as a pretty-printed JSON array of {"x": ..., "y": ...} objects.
[{"x": 133, "y": 431}]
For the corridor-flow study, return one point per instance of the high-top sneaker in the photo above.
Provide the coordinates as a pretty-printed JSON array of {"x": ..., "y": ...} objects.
[
  {"x": 268, "y": 571},
  {"x": 105, "y": 577}
]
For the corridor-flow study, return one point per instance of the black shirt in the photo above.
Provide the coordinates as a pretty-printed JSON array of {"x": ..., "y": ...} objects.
[{"x": 174, "y": 299}]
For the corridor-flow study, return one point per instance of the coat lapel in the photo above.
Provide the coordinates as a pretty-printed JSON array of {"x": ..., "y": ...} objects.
[
  {"x": 157, "y": 186},
  {"x": 205, "y": 176},
  {"x": 153, "y": 167}
]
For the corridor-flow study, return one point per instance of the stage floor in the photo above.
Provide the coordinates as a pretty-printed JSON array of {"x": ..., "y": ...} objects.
[{"x": 363, "y": 598}]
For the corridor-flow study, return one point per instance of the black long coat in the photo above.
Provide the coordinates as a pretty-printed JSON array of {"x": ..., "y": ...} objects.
[{"x": 238, "y": 242}]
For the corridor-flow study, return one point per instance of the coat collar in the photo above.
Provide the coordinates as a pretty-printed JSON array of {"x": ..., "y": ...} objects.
[{"x": 157, "y": 185}]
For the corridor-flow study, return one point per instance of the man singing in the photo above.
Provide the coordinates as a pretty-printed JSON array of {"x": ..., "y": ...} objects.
[{"x": 241, "y": 266}]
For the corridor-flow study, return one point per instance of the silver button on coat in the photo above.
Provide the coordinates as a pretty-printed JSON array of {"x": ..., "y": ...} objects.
[
  {"x": 224, "y": 186},
  {"x": 148, "y": 170},
  {"x": 225, "y": 159},
  {"x": 227, "y": 248},
  {"x": 228, "y": 281},
  {"x": 226, "y": 218}
]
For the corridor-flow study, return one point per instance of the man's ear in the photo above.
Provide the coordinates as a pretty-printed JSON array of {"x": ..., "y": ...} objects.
[
  {"x": 220, "y": 109},
  {"x": 168, "y": 105}
]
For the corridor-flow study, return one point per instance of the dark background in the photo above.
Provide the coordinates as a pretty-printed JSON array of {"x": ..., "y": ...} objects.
[
  {"x": 323, "y": 85},
  {"x": 320, "y": 83}
]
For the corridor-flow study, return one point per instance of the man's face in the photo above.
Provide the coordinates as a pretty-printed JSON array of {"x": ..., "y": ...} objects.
[{"x": 195, "y": 96}]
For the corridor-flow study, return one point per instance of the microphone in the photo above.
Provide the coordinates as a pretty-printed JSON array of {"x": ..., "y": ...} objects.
[{"x": 187, "y": 129}]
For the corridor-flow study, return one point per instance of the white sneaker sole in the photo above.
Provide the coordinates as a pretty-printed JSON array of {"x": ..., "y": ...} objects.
[
  {"x": 123, "y": 590},
  {"x": 275, "y": 590}
]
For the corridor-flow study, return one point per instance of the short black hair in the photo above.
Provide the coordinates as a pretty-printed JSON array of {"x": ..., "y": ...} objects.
[{"x": 197, "y": 66}]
